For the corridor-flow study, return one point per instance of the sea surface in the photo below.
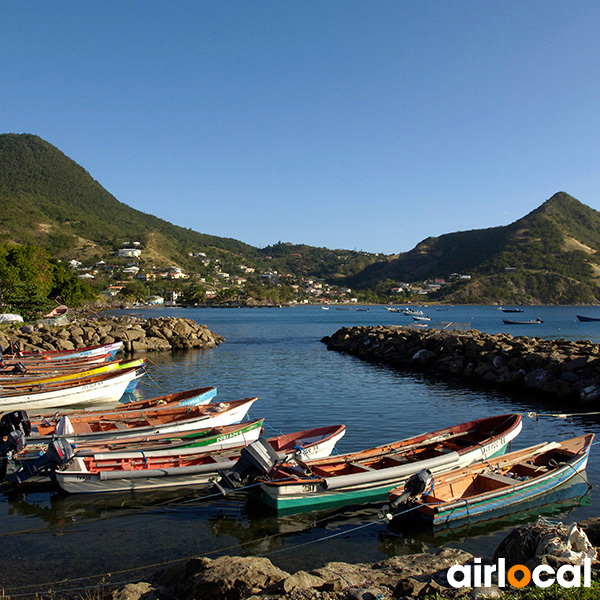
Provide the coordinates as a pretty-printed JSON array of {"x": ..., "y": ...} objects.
[{"x": 56, "y": 541}]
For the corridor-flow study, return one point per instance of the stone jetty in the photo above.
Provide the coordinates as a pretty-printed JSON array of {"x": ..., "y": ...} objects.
[
  {"x": 138, "y": 335},
  {"x": 559, "y": 370}
]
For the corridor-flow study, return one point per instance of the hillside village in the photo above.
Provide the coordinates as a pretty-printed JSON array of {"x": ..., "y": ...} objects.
[{"x": 213, "y": 285}]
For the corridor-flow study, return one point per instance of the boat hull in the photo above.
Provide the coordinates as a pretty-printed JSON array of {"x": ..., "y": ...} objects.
[
  {"x": 96, "y": 392},
  {"x": 501, "y": 500},
  {"x": 77, "y": 479},
  {"x": 372, "y": 486}
]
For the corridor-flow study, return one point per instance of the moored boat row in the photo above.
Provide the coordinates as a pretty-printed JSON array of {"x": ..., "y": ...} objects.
[{"x": 188, "y": 439}]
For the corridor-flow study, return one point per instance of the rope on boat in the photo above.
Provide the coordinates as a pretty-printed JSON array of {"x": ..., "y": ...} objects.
[
  {"x": 273, "y": 428},
  {"x": 536, "y": 416},
  {"x": 384, "y": 519}
]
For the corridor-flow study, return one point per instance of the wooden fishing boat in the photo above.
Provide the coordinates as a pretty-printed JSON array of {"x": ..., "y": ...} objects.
[
  {"x": 34, "y": 365},
  {"x": 98, "y": 389},
  {"x": 146, "y": 472},
  {"x": 367, "y": 476},
  {"x": 59, "y": 311},
  {"x": 112, "y": 348},
  {"x": 134, "y": 423},
  {"x": 28, "y": 379},
  {"x": 498, "y": 483},
  {"x": 27, "y": 463},
  {"x": 586, "y": 319},
  {"x": 194, "y": 397}
]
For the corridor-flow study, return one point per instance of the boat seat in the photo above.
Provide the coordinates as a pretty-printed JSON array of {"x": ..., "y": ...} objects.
[
  {"x": 498, "y": 478},
  {"x": 397, "y": 459},
  {"x": 361, "y": 467}
]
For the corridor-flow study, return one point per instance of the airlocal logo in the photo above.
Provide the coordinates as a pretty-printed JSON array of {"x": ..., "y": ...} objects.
[{"x": 518, "y": 576}]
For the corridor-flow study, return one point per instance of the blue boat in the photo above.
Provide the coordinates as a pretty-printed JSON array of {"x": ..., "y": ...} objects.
[{"x": 497, "y": 483}]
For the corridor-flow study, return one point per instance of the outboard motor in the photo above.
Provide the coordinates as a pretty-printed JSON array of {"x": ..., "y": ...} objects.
[
  {"x": 415, "y": 486},
  {"x": 58, "y": 453},
  {"x": 17, "y": 420},
  {"x": 256, "y": 459}
]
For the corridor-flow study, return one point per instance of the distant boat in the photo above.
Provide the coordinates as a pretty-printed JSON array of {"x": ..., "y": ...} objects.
[
  {"x": 423, "y": 318},
  {"x": 59, "y": 311},
  {"x": 324, "y": 307},
  {"x": 10, "y": 318},
  {"x": 410, "y": 312},
  {"x": 532, "y": 322},
  {"x": 363, "y": 309},
  {"x": 583, "y": 318},
  {"x": 512, "y": 310}
]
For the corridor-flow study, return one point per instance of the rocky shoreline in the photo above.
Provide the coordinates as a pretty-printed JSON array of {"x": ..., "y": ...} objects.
[
  {"x": 401, "y": 577},
  {"x": 138, "y": 335},
  {"x": 557, "y": 370}
]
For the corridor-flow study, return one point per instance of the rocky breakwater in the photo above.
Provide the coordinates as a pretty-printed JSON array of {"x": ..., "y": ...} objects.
[
  {"x": 559, "y": 370},
  {"x": 137, "y": 335}
]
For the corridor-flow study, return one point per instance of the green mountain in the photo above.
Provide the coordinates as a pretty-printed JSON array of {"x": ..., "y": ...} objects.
[
  {"x": 51, "y": 201},
  {"x": 548, "y": 256}
]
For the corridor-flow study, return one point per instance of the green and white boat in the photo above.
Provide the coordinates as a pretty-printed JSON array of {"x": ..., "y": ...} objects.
[{"x": 369, "y": 475}]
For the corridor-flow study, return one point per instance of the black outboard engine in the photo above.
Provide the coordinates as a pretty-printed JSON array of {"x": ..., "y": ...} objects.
[
  {"x": 14, "y": 426},
  {"x": 256, "y": 459},
  {"x": 415, "y": 486},
  {"x": 17, "y": 420},
  {"x": 59, "y": 452}
]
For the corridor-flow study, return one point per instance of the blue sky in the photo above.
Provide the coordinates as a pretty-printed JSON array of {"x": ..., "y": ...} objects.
[{"x": 365, "y": 125}]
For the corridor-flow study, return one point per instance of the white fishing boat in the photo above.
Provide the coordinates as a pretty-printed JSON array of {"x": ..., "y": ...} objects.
[
  {"x": 98, "y": 389},
  {"x": 98, "y": 474},
  {"x": 119, "y": 425}
]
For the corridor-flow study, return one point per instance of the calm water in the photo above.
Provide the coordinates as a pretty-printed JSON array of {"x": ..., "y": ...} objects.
[{"x": 276, "y": 354}]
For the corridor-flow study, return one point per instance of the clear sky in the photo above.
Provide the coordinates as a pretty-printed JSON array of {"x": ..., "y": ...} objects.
[{"x": 366, "y": 125}]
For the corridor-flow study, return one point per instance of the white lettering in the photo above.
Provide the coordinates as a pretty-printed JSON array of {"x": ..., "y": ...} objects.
[
  {"x": 587, "y": 572},
  {"x": 477, "y": 573},
  {"x": 466, "y": 576},
  {"x": 488, "y": 570},
  {"x": 574, "y": 581},
  {"x": 543, "y": 583},
  {"x": 501, "y": 572}
]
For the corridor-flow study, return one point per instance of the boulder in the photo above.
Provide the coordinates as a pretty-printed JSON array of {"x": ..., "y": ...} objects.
[{"x": 228, "y": 577}]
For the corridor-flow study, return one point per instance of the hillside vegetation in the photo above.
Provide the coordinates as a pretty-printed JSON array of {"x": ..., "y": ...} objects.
[
  {"x": 50, "y": 202},
  {"x": 549, "y": 256}
]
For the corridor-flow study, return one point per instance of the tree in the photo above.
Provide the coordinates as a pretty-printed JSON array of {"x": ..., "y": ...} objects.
[{"x": 26, "y": 279}]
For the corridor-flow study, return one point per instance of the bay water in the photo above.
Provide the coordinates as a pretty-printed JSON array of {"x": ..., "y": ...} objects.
[{"x": 276, "y": 355}]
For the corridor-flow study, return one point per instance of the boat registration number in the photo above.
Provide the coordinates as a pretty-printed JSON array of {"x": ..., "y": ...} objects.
[{"x": 309, "y": 487}]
